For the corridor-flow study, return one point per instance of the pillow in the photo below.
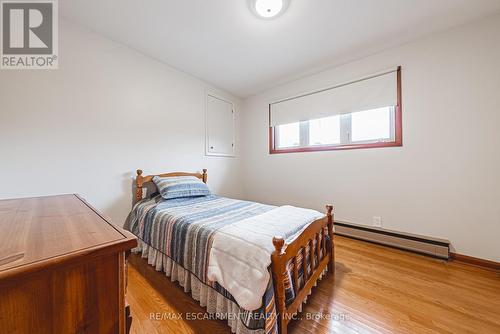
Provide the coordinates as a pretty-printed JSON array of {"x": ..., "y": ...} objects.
[{"x": 180, "y": 186}]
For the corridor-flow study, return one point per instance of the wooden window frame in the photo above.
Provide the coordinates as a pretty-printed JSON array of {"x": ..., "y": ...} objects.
[{"x": 398, "y": 135}]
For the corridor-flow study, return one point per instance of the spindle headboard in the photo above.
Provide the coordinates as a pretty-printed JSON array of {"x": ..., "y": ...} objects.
[{"x": 141, "y": 180}]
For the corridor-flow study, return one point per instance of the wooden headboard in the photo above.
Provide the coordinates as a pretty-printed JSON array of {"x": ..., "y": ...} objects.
[{"x": 140, "y": 180}]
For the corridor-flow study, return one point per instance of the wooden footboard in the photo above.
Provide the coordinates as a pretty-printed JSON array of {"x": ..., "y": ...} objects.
[{"x": 321, "y": 256}]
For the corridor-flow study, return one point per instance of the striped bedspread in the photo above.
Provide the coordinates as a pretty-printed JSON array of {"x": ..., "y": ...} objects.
[{"x": 183, "y": 229}]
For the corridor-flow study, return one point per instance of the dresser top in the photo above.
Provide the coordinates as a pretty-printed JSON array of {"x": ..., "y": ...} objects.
[{"x": 39, "y": 231}]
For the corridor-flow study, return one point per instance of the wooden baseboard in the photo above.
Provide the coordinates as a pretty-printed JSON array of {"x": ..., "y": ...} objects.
[{"x": 475, "y": 261}]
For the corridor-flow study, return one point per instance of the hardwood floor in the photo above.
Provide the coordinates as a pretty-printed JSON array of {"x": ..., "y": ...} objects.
[{"x": 376, "y": 290}]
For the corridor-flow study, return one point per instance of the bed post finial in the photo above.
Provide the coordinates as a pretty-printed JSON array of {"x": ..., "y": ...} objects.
[
  {"x": 278, "y": 243},
  {"x": 331, "y": 261},
  {"x": 138, "y": 185},
  {"x": 278, "y": 262},
  {"x": 205, "y": 176},
  {"x": 329, "y": 209}
]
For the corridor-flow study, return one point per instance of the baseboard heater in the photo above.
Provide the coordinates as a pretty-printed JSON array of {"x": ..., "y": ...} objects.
[{"x": 439, "y": 248}]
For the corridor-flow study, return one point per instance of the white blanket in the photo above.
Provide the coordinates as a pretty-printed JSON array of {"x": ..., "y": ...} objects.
[{"x": 241, "y": 252}]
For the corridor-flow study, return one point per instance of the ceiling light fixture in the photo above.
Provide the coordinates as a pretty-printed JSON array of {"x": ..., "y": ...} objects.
[{"x": 268, "y": 9}]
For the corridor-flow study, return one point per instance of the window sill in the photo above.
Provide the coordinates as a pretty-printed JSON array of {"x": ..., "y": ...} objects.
[{"x": 336, "y": 147}]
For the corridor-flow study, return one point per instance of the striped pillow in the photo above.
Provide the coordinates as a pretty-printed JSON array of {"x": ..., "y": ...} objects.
[{"x": 180, "y": 186}]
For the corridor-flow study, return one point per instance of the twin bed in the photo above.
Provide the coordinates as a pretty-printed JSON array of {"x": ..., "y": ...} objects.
[{"x": 249, "y": 263}]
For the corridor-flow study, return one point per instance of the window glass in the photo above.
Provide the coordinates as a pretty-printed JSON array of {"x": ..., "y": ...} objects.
[
  {"x": 288, "y": 135},
  {"x": 324, "y": 131},
  {"x": 371, "y": 125}
]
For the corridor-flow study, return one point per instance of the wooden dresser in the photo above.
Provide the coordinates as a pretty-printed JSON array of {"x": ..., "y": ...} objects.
[{"x": 62, "y": 267}]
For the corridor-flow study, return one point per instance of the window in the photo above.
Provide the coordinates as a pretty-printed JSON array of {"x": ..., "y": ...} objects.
[
  {"x": 373, "y": 122},
  {"x": 363, "y": 127}
]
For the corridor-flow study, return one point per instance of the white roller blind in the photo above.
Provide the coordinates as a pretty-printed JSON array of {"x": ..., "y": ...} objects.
[{"x": 369, "y": 93}]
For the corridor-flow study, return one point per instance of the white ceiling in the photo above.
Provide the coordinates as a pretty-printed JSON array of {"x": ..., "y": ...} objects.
[{"x": 221, "y": 42}]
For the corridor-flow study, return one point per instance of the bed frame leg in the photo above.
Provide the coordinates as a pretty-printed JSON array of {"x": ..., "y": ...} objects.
[{"x": 329, "y": 215}]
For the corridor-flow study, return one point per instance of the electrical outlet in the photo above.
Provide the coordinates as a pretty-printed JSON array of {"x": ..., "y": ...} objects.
[{"x": 377, "y": 221}]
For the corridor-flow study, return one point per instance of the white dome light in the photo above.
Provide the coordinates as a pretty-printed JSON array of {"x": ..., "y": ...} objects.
[{"x": 268, "y": 8}]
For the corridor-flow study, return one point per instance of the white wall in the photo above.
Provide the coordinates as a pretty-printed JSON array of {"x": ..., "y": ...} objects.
[
  {"x": 108, "y": 110},
  {"x": 444, "y": 181}
]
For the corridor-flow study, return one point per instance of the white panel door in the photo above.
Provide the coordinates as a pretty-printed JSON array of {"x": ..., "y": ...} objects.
[{"x": 220, "y": 127}]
